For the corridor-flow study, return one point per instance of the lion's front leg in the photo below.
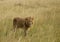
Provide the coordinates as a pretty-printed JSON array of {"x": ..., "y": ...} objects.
[{"x": 25, "y": 31}]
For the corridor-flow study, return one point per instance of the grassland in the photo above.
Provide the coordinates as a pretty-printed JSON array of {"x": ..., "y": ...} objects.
[{"x": 46, "y": 27}]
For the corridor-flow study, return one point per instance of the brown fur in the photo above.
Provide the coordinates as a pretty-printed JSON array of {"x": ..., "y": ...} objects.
[{"x": 23, "y": 23}]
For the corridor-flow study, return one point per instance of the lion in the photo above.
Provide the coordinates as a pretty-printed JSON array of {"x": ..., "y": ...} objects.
[{"x": 23, "y": 23}]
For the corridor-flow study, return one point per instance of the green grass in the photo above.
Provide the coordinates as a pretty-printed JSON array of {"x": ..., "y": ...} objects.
[{"x": 46, "y": 27}]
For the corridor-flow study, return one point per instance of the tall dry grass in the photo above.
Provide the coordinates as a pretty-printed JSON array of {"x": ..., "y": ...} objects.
[{"x": 46, "y": 27}]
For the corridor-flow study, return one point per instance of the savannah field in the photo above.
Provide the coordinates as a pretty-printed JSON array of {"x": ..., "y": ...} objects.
[{"x": 46, "y": 27}]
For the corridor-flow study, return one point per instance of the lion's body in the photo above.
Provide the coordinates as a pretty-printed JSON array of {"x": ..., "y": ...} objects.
[
  {"x": 19, "y": 22},
  {"x": 23, "y": 23}
]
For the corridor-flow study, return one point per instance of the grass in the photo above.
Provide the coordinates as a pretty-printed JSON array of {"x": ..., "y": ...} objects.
[{"x": 46, "y": 27}]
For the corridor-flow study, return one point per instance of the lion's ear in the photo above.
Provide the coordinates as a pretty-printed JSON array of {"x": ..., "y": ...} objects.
[
  {"x": 32, "y": 17},
  {"x": 27, "y": 18}
]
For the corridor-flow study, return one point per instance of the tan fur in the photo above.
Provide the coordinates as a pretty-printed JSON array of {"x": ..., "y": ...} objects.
[{"x": 23, "y": 23}]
